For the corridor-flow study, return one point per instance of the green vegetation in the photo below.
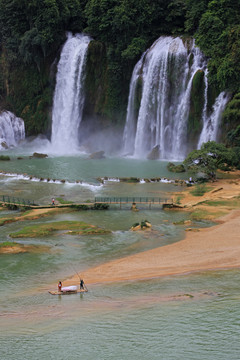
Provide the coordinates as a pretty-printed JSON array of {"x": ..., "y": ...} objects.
[
  {"x": 143, "y": 224},
  {"x": 99, "y": 206},
  {"x": 62, "y": 201},
  {"x": 12, "y": 206},
  {"x": 135, "y": 224},
  {"x": 218, "y": 36},
  {"x": 230, "y": 122},
  {"x": 175, "y": 168},
  {"x": 178, "y": 199},
  {"x": 201, "y": 214},
  {"x": 200, "y": 189},
  {"x": 8, "y": 243},
  {"x": 130, "y": 180},
  {"x": 235, "y": 203},
  {"x": 209, "y": 158},
  {"x": 69, "y": 227},
  {"x": 4, "y": 158}
]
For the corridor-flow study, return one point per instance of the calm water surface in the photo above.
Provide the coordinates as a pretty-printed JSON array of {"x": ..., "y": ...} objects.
[{"x": 195, "y": 316}]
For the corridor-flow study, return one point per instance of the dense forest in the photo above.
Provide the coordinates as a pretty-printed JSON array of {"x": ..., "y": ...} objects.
[{"x": 32, "y": 33}]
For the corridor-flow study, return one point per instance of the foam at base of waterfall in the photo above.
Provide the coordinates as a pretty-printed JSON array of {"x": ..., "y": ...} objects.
[{"x": 12, "y": 130}]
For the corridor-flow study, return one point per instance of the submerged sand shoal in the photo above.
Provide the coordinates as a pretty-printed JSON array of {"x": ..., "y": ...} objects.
[{"x": 212, "y": 248}]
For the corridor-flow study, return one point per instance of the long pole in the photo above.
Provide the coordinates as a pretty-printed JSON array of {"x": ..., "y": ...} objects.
[{"x": 80, "y": 278}]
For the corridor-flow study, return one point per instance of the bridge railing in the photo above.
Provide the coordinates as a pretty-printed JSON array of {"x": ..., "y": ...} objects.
[
  {"x": 15, "y": 200},
  {"x": 132, "y": 199}
]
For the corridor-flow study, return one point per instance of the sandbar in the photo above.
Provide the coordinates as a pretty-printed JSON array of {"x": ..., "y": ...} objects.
[
  {"x": 209, "y": 249},
  {"x": 214, "y": 248}
]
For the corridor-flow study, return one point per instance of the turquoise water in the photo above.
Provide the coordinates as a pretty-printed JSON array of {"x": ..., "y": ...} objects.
[{"x": 193, "y": 316}]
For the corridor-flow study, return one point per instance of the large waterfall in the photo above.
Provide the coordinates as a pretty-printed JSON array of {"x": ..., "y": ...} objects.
[
  {"x": 159, "y": 100},
  {"x": 69, "y": 95},
  {"x": 12, "y": 130}
]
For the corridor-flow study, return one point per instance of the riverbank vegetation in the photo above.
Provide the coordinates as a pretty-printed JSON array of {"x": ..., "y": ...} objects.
[
  {"x": 67, "y": 227},
  {"x": 210, "y": 158},
  {"x": 32, "y": 33},
  {"x": 11, "y": 247}
]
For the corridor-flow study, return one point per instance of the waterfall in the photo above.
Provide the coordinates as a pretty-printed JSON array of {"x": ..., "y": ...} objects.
[
  {"x": 211, "y": 123},
  {"x": 165, "y": 75},
  {"x": 131, "y": 120},
  {"x": 12, "y": 130},
  {"x": 69, "y": 94}
]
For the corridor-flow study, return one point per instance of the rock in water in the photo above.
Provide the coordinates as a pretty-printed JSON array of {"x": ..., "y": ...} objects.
[
  {"x": 175, "y": 168},
  {"x": 155, "y": 153},
  {"x": 97, "y": 155},
  {"x": 39, "y": 155}
]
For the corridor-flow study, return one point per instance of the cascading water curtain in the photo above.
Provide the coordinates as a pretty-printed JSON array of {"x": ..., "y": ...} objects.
[
  {"x": 69, "y": 95},
  {"x": 12, "y": 130},
  {"x": 159, "y": 99}
]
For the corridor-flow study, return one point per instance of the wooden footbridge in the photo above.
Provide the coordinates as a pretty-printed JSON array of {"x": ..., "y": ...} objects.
[
  {"x": 14, "y": 202},
  {"x": 143, "y": 200}
]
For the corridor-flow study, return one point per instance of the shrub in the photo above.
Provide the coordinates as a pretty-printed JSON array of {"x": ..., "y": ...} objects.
[
  {"x": 199, "y": 190},
  {"x": 4, "y": 158}
]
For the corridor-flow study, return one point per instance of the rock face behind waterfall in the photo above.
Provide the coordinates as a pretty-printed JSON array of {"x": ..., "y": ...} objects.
[
  {"x": 167, "y": 104},
  {"x": 12, "y": 130}
]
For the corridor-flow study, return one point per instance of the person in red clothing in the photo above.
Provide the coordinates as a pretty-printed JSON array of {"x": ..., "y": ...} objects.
[{"x": 60, "y": 286}]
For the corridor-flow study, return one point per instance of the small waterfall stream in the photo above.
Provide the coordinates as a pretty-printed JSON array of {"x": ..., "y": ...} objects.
[
  {"x": 69, "y": 96},
  {"x": 211, "y": 123},
  {"x": 12, "y": 130},
  {"x": 159, "y": 100}
]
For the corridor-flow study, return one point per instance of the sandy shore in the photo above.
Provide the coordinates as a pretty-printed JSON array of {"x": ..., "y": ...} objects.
[{"x": 212, "y": 248}]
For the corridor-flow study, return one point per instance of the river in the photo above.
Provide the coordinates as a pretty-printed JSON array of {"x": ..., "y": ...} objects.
[{"x": 193, "y": 316}]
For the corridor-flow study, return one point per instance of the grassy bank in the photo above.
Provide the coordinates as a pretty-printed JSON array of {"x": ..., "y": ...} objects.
[{"x": 67, "y": 227}]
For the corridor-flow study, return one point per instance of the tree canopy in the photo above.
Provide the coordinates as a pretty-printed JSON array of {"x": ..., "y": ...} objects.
[
  {"x": 33, "y": 29},
  {"x": 210, "y": 157}
]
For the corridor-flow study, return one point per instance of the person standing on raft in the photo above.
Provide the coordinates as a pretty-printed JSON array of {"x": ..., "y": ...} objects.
[
  {"x": 81, "y": 284},
  {"x": 60, "y": 286}
]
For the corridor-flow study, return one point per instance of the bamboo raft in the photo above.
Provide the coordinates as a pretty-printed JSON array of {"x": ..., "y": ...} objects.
[{"x": 67, "y": 292}]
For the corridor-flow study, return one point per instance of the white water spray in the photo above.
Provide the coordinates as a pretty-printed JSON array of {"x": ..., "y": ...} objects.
[
  {"x": 165, "y": 74},
  {"x": 211, "y": 123},
  {"x": 12, "y": 130},
  {"x": 69, "y": 95}
]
